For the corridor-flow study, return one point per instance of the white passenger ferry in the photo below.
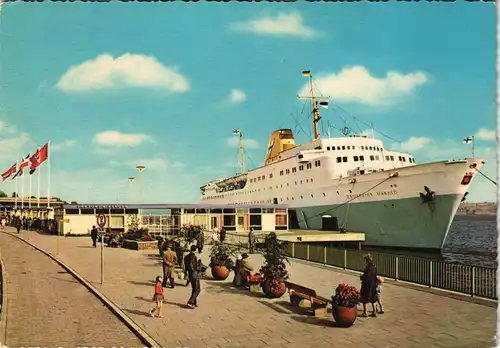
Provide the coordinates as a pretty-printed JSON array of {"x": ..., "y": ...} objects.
[{"x": 355, "y": 179}]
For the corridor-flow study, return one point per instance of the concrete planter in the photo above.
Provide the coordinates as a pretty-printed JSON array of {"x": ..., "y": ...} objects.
[{"x": 138, "y": 245}]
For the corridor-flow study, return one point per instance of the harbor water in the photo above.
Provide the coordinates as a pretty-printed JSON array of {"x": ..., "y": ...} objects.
[{"x": 472, "y": 240}]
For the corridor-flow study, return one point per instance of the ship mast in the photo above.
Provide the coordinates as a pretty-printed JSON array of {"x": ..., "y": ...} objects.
[
  {"x": 316, "y": 116},
  {"x": 241, "y": 150}
]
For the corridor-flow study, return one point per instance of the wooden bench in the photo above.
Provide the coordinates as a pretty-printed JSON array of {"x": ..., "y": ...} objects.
[{"x": 298, "y": 293}]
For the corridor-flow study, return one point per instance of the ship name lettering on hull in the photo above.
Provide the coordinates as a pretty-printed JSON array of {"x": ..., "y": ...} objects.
[{"x": 370, "y": 194}]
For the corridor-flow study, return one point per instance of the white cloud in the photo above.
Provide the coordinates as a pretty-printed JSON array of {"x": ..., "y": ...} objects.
[
  {"x": 128, "y": 70},
  {"x": 237, "y": 96},
  {"x": 247, "y": 142},
  {"x": 414, "y": 143},
  {"x": 6, "y": 128},
  {"x": 486, "y": 134},
  {"x": 13, "y": 144},
  {"x": 154, "y": 163},
  {"x": 356, "y": 85},
  {"x": 117, "y": 139},
  {"x": 283, "y": 24},
  {"x": 63, "y": 145}
]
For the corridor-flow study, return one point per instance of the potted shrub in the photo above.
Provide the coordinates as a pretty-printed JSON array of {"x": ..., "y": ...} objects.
[
  {"x": 220, "y": 260},
  {"x": 274, "y": 271},
  {"x": 344, "y": 304}
]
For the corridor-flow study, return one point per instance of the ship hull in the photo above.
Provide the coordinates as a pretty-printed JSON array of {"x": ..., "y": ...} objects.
[{"x": 397, "y": 223}]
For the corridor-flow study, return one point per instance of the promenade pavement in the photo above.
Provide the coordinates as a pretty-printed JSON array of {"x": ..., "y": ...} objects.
[
  {"x": 235, "y": 318},
  {"x": 47, "y": 307}
]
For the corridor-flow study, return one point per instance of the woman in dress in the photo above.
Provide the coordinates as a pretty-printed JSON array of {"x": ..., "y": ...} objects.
[{"x": 369, "y": 286}]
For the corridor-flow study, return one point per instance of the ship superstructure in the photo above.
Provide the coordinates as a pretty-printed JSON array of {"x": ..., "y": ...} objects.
[{"x": 365, "y": 186}]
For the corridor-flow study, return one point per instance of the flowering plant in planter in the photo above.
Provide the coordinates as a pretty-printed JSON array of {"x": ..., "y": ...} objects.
[
  {"x": 274, "y": 270},
  {"x": 220, "y": 255},
  {"x": 345, "y": 296}
]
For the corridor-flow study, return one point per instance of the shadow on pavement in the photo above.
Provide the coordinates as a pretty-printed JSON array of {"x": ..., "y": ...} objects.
[
  {"x": 136, "y": 312},
  {"x": 275, "y": 307},
  {"x": 314, "y": 321},
  {"x": 156, "y": 264},
  {"x": 295, "y": 310},
  {"x": 181, "y": 305},
  {"x": 218, "y": 287},
  {"x": 150, "y": 283}
]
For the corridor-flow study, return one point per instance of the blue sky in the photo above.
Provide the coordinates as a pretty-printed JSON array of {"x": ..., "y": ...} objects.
[{"x": 164, "y": 85}]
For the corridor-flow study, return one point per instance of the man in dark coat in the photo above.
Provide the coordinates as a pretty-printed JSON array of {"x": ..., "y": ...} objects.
[
  {"x": 222, "y": 234},
  {"x": 192, "y": 268},
  {"x": 93, "y": 235},
  {"x": 200, "y": 240},
  {"x": 369, "y": 286}
]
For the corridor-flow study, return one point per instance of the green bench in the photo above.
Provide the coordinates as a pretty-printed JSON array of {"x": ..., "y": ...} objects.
[{"x": 298, "y": 293}]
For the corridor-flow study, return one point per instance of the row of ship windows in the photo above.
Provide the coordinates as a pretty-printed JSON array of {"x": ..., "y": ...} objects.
[
  {"x": 300, "y": 182},
  {"x": 375, "y": 158},
  {"x": 287, "y": 171},
  {"x": 353, "y": 147}
]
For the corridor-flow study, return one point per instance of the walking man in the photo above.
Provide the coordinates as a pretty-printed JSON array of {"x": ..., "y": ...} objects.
[
  {"x": 200, "y": 241},
  {"x": 251, "y": 240},
  {"x": 169, "y": 261},
  {"x": 93, "y": 235},
  {"x": 18, "y": 224},
  {"x": 191, "y": 264},
  {"x": 222, "y": 234}
]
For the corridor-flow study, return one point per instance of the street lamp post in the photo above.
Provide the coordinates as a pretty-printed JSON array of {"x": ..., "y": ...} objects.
[
  {"x": 140, "y": 169},
  {"x": 131, "y": 191}
]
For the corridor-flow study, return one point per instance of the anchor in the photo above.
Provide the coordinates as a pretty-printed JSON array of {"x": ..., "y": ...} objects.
[{"x": 428, "y": 196}]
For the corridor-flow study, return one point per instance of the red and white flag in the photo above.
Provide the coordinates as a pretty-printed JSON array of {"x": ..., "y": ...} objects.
[
  {"x": 40, "y": 156},
  {"x": 9, "y": 172},
  {"x": 24, "y": 164}
]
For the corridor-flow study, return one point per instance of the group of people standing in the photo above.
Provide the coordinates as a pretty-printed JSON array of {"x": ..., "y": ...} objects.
[{"x": 48, "y": 226}]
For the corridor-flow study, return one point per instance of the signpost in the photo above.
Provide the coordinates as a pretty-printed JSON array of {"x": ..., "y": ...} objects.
[{"x": 101, "y": 222}]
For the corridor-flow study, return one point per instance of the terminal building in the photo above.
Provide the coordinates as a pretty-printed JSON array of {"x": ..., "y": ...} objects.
[{"x": 167, "y": 219}]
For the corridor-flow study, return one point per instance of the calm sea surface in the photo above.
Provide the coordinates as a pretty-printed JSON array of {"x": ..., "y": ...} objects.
[{"x": 472, "y": 240}]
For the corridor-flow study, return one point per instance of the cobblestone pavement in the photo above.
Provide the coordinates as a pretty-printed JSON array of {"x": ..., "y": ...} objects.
[
  {"x": 234, "y": 318},
  {"x": 47, "y": 307}
]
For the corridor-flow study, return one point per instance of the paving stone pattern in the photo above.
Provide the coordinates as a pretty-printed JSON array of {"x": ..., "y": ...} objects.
[
  {"x": 235, "y": 318},
  {"x": 47, "y": 307}
]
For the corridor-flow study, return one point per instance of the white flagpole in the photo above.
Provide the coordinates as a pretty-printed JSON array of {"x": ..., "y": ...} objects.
[
  {"x": 29, "y": 201},
  {"x": 48, "y": 174},
  {"x": 22, "y": 192},
  {"x": 17, "y": 187},
  {"x": 38, "y": 189}
]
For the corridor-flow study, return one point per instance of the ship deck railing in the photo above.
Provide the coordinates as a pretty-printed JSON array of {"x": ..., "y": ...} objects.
[{"x": 475, "y": 281}]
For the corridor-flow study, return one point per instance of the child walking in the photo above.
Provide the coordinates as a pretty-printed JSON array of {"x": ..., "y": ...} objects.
[
  {"x": 158, "y": 298},
  {"x": 380, "y": 281}
]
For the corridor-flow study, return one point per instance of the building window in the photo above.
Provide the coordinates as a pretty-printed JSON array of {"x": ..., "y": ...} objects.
[
  {"x": 362, "y": 147},
  {"x": 338, "y": 147},
  {"x": 387, "y": 158},
  {"x": 356, "y": 158},
  {"x": 294, "y": 170},
  {"x": 377, "y": 158},
  {"x": 372, "y": 158},
  {"x": 301, "y": 168},
  {"x": 281, "y": 172},
  {"x": 309, "y": 165},
  {"x": 344, "y": 159},
  {"x": 392, "y": 158},
  {"x": 343, "y": 147},
  {"x": 328, "y": 148},
  {"x": 339, "y": 159},
  {"x": 361, "y": 158},
  {"x": 348, "y": 147},
  {"x": 270, "y": 176},
  {"x": 333, "y": 148},
  {"x": 288, "y": 171},
  {"x": 317, "y": 163},
  {"x": 404, "y": 159}
]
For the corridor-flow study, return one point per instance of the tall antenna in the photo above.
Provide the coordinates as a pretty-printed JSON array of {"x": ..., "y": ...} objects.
[
  {"x": 315, "y": 104},
  {"x": 241, "y": 150}
]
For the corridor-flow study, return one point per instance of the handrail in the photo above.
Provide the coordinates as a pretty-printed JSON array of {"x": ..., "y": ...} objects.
[{"x": 466, "y": 279}]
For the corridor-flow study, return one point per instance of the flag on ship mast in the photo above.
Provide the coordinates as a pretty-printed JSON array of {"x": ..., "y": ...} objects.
[
  {"x": 324, "y": 104},
  {"x": 468, "y": 140},
  {"x": 237, "y": 132},
  {"x": 306, "y": 73}
]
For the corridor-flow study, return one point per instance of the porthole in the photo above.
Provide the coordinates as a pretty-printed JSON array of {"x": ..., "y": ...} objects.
[
  {"x": 350, "y": 191},
  {"x": 324, "y": 194},
  {"x": 338, "y": 192}
]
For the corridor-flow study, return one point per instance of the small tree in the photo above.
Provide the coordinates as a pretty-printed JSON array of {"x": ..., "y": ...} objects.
[
  {"x": 220, "y": 255},
  {"x": 3, "y": 194}
]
